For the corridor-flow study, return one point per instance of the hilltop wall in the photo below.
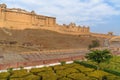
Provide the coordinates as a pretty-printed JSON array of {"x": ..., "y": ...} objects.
[{"x": 16, "y": 18}]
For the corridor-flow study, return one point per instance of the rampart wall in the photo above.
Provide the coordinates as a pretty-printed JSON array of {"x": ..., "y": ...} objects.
[
  {"x": 40, "y": 62},
  {"x": 16, "y": 18}
]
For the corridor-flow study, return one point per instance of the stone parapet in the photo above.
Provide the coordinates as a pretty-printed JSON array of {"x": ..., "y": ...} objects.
[{"x": 16, "y": 18}]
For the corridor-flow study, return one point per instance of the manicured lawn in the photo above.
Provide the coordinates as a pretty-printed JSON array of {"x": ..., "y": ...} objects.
[{"x": 113, "y": 64}]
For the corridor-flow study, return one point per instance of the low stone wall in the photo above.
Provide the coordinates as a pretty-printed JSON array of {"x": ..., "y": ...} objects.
[
  {"x": 59, "y": 30},
  {"x": 40, "y": 62},
  {"x": 57, "y": 51},
  {"x": 101, "y": 35}
]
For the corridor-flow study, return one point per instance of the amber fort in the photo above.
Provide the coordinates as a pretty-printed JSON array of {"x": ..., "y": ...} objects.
[
  {"x": 16, "y": 18},
  {"x": 30, "y": 39}
]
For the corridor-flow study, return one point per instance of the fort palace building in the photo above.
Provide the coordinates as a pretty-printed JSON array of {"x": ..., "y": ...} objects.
[
  {"x": 16, "y": 18},
  {"x": 19, "y": 19}
]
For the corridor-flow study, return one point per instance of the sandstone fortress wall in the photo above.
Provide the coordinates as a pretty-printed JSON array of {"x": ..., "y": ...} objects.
[{"x": 16, "y": 18}]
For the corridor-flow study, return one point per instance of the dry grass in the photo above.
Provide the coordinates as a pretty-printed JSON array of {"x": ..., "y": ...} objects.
[{"x": 47, "y": 39}]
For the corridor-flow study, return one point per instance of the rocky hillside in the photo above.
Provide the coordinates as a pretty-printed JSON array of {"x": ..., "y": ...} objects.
[{"x": 44, "y": 39}]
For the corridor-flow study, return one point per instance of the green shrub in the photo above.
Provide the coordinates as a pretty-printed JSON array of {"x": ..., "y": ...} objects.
[
  {"x": 98, "y": 74},
  {"x": 66, "y": 71},
  {"x": 33, "y": 77},
  {"x": 112, "y": 72},
  {"x": 65, "y": 78},
  {"x": 38, "y": 70},
  {"x": 59, "y": 67},
  {"x": 63, "y": 63},
  {"x": 19, "y": 74},
  {"x": 4, "y": 75},
  {"x": 78, "y": 76},
  {"x": 79, "y": 71},
  {"x": 10, "y": 70},
  {"x": 95, "y": 43},
  {"x": 86, "y": 64},
  {"x": 84, "y": 69},
  {"x": 17, "y": 79},
  {"x": 48, "y": 75}
]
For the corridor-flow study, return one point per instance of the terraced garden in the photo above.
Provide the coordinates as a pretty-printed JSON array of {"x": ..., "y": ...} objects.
[
  {"x": 72, "y": 71},
  {"x": 113, "y": 64}
]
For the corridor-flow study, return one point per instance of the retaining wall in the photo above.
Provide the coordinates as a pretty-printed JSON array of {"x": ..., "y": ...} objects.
[{"x": 40, "y": 62}]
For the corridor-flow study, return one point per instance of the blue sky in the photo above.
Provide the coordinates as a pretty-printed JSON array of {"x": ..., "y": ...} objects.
[{"x": 101, "y": 15}]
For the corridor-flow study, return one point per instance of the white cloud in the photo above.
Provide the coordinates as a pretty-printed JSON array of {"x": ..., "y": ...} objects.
[{"x": 86, "y": 11}]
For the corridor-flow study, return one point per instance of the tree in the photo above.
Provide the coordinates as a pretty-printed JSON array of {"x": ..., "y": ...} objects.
[
  {"x": 63, "y": 63},
  {"x": 10, "y": 70},
  {"x": 99, "y": 56},
  {"x": 95, "y": 43}
]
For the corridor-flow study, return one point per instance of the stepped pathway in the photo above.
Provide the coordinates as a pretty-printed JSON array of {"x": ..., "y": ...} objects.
[
  {"x": 16, "y": 60},
  {"x": 13, "y": 57}
]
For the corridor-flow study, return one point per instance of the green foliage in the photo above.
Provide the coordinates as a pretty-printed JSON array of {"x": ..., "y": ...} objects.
[
  {"x": 86, "y": 64},
  {"x": 4, "y": 75},
  {"x": 38, "y": 70},
  {"x": 78, "y": 76},
  {"x": 98, "y": 74},
  {"x": 112, "y": 72},
  {"x": 32, "y": 77},
  {"x": 104, "y": 78},
  {"x": 21, "y": 67},
  {"x": 63, "y": 62},
  {"x": 66, "y": 72},
  {"x": 48, "y": 75},
  {"x": 59, "y": 67},
  {"x": 113, "y": 66},
  {"x": 10, "y": 70},
  {"x": 65, "y": 78},
  {"x": 101, "y": 75},
  {"x": 16, "y": 79},
  {"x": 95, "y": 43},
  {"x": 99, "y": 56},
  {"x": 19, "y": 74}
]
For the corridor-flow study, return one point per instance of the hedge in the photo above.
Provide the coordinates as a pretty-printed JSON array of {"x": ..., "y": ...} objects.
[
  {"x": 86, "y": 64},
  {"x": 4, "y": 75},
  {"x": 117, "y": 73}
]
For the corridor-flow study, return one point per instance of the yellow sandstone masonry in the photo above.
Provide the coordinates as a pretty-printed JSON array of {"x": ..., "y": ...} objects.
[{"x": 16, "y": 18}]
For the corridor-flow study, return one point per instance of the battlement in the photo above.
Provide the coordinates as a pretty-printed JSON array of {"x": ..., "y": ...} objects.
[
  {"x": 3, "y": 6},
  {"x": 72, "y": 27},
  {"x": 17, "y": 18}
]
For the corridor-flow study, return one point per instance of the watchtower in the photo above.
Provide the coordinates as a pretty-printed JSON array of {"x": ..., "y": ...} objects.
[{"x": 2, "y": 15}]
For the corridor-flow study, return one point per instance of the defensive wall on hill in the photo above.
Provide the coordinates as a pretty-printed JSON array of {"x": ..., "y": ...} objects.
[{"x": 16, "y": 18}]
